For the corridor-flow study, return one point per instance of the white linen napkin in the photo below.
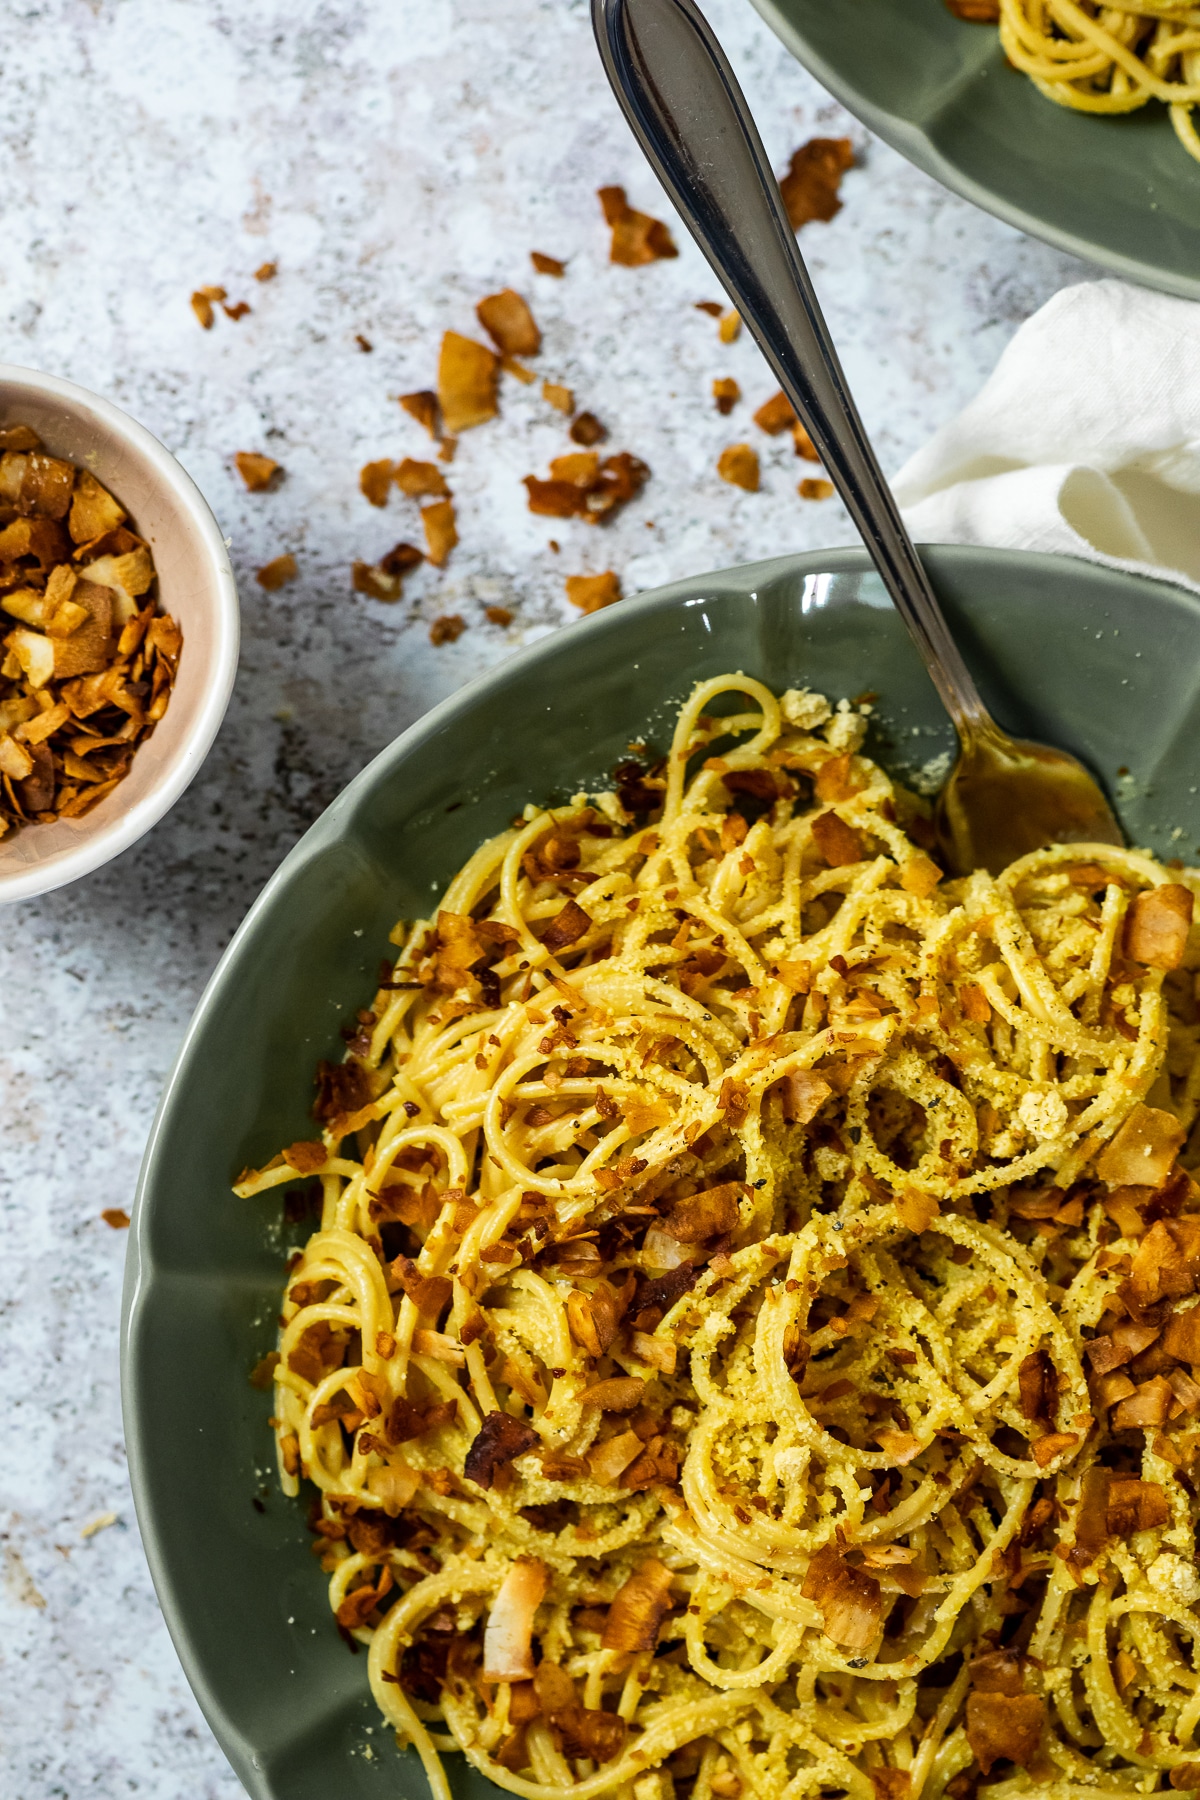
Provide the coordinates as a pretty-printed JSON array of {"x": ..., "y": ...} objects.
[{"x": 1085, "y": 439}]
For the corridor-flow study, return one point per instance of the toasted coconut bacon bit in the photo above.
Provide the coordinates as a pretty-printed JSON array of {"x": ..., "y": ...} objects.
[
  {"x": 1157, "y": 926},
  {"x": 89, "y": 668},
  {"x": 559, "y": 397},
  {"x": 1142, "y": 1152},
  {"x": 729, "y": 327},
  {"x": 713, "y": 1213},
  {"x": 509, "y": 323},
  {"x": 837, "y": 842},
  {"x": 468, "y": 374},
  {"x": 581, "y": 486},
  {"x": 638, "y": 1610},
  {"x": 257, "y": 471},
  {"x": 447, "y": 629},
  {"x": 726, "y": 393},
  {"x": 202, "y": 304},
  {"x": 592, "y": 592},
  {"x": 849, "y": 1599},
  {"x": 421, "y": 480},
  {"x": 975, "y": 12},
  {"x": 507, "y": 1638},
  {"x": 738, "y": 465},
  {"x": 384, "y": 580},
  {"x": 891, "y": 1784},
  {"x": 810, "y": 187},
  {"x": 277, "y": 574},
  {"x": 423, "y": 407},
  {"x": 566, "y": 927},
  {"x": 776, "y": 415},
  {"x": 636, "y": 237},
  {"x": 500, "y": 1439},
  {"x": 1004, "y": 1726},
  {"x": 441, "y": 532},
  {"x": 547, "y": 265},
  {"x": 813, "y": 488},
  {"x": 587, "y": 430},
  {"x": 375, "y": 480}
]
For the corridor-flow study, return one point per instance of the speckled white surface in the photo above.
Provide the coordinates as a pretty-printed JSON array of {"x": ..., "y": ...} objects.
[{"x": 399, "y": 159}]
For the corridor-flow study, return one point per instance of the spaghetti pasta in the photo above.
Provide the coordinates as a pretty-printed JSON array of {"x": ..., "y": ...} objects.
[
  {"x": 1110, "y": 56},
  {"x": 749, "y": 1345}
]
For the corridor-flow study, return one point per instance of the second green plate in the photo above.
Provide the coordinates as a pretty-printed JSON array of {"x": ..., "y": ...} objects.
[{"x": 1120, "y": 191}]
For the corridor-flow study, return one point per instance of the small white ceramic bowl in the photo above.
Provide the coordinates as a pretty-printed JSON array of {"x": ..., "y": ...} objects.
[{"x": 195, "y": 585}]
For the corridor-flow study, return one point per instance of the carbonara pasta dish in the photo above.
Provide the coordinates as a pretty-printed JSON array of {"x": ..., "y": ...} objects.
[
  {"x": 750, "y": 1342},
  {"x": 1109, "y": 56}
]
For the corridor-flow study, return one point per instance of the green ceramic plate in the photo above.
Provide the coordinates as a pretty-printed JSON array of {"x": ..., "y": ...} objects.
[
  {"x": 1105, "y": 664},
  {"x": 1122, "y": 191}
]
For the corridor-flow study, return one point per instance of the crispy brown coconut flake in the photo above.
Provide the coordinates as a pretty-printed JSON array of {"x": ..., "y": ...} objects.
[
  {"x": 738, "y": 465},
  {"x": 1157, "y": 926},
  {"x": 1167, "y": 1262},
  {"x": 118, "y": 1219},
  {"x": 509, "y": 323},
  {"x": 813, "y": 488},
  {"x": 76, "y": 640},
  {"x": 582, "y": 486},
  {"x": 278, "y": 573},
  {"x": 447, "y": 629},
  {"x": 591, "y": 1732},
  {"x": 423, "y": 407},
  {"x": 587, "y": 430},
  {"x": 712, "y": 1213},
  {"x": 593, "y": 1318},
  {"x": 508, "y": 1647},
  {"x": 638, "y": 1609},
  {"x": 976, "y": 12},
  {"x": 804, "y": 445},
  {"x": 468, "y": 374},
  {"x": 375, "y": 480},
  {"x": 500, "y": 1439},
  {"x": 775, "y": 415},
  {"x": 202, "y": 304},
  {"x": 547, "y": 265},
  {"x": 257, "y": 471},
  {"x": 810, "y": 187},
  {"x": 848, "y": 1597},
  {"x": 619, "y": 1394},
  {"x": 802, "y": 1095},
  {"x": 838, "y": 843},
  {"x": 636, "y": 237},
  {"x": 726, "y": 393},
  {"x": 1004, "y": 1726},
  {"x": 566, "y": 927},
  {"x": 559, "y": 397},
  {"x": 891, "y": 1784},
  {"x": 441, "y": 531},
  {"x": 592, "y": 592}
]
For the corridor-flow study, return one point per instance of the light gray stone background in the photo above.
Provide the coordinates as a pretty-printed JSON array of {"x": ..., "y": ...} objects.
[{"x": 398, "y": 159}]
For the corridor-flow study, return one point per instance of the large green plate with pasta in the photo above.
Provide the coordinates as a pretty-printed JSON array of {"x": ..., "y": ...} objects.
[
  {"x": 725, "y": 1325},
  {"x": 1115, "y": 186}
]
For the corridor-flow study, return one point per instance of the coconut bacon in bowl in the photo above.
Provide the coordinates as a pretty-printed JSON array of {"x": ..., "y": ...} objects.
[
  {"x": 748, "y": 1346},
  {"x": 88, "y": 660}
]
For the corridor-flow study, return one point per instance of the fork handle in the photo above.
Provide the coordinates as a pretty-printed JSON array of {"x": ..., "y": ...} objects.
[{"x": 689, "y": 115}]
